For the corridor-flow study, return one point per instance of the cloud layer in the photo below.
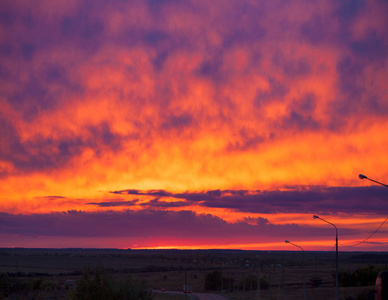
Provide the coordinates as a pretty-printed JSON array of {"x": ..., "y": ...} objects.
[
  {"x": 263, "y": 107},
  {"x": 198, "y": 229},
  {"x": 303, "y": 199}
]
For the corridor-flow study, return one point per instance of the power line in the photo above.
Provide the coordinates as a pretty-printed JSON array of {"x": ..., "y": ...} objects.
[
  {"x": 373, "y": 233},
  {"x": 367, "y": 237}
]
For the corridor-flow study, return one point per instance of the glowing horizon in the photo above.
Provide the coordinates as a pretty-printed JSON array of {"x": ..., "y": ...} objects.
[{"x": 136, "y": 123}]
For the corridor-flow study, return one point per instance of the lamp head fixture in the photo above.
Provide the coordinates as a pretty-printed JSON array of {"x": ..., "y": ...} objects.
[
  {"x": 362, "y": 176},
  {"x": 286, "y": 241},
  {"x": 315, "y": 217}
]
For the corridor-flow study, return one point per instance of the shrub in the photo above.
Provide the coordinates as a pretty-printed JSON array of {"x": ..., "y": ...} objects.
[
  {"x": 252, "y": 280},
  {"x": 102, "y": 286},
  {"x": 5, "y": 284},
  {"x": 361, "y": 277},
  {"x": 213, "y": 281}
]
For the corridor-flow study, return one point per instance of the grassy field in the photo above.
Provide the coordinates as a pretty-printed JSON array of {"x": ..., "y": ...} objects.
[{"x": 170, "y": 269}]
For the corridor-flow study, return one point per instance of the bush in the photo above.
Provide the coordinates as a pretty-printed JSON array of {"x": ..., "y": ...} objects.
[
  {"x": 367, "y": 295},
  {"x": 49, "y": 285},
  {"x": 264, "y": 284},
  {"x": 36, "y": 283},
  {"x": 5, "y": 284},
  {"x": 361, "y": 277},
  {"x": 252, "y": 280},
  {"x": 103, "y": 287},
  {"x": 213, "y": 281}
]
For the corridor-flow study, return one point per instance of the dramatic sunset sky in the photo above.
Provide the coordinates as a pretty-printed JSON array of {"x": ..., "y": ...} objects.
[{"x": 193, "y": 124}]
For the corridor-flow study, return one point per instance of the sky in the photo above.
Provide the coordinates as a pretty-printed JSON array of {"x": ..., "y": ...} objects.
[{"x": 193, "y": 124}]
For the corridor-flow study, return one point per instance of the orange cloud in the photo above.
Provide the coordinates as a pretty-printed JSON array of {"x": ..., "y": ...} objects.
[{"x": 192, "y": 97}]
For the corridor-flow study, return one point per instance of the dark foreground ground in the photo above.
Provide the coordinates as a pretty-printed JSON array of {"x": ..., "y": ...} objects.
[{"x": 281, "y": 273}]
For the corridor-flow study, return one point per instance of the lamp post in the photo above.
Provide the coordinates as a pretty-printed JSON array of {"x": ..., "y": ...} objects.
[
  {"x": 336, "y": 255},
  {"x": 364, "y": 177},
  {"x": 304, "y": 285}
]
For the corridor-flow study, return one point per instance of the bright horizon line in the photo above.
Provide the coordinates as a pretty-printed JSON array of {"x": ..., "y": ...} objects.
[{"x": 188, "y": 249}]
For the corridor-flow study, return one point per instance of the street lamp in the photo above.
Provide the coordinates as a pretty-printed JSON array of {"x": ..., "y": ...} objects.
[
  {"x": 304, "y": 285},
  {"x": 336, "y": 255},
  {"x": 364, "y": 177}
]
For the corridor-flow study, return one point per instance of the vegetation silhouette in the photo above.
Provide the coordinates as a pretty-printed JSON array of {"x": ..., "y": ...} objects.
[{"x": 102, "y": 286}]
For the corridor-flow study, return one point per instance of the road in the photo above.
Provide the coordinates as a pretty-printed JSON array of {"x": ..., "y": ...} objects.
[
  {"x": 195, "y": 296},
  {"x": 201, "y": 296}
]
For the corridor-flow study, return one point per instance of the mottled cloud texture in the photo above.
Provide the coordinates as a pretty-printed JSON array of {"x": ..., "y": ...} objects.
[
  {"x": 309, "y": 200},
  {"x": 153, "y": 112}
]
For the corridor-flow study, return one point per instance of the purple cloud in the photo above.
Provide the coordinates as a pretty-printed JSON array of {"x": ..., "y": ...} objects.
[
  {"x": 149, "y": 223},
  {"x": 246, "y": 139},
  {"x": 178, "y": 122},
  {"x": 302, "y": 199},
  {"x": 276, "y": 92},
  {"x": 114, "y": 203}
]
